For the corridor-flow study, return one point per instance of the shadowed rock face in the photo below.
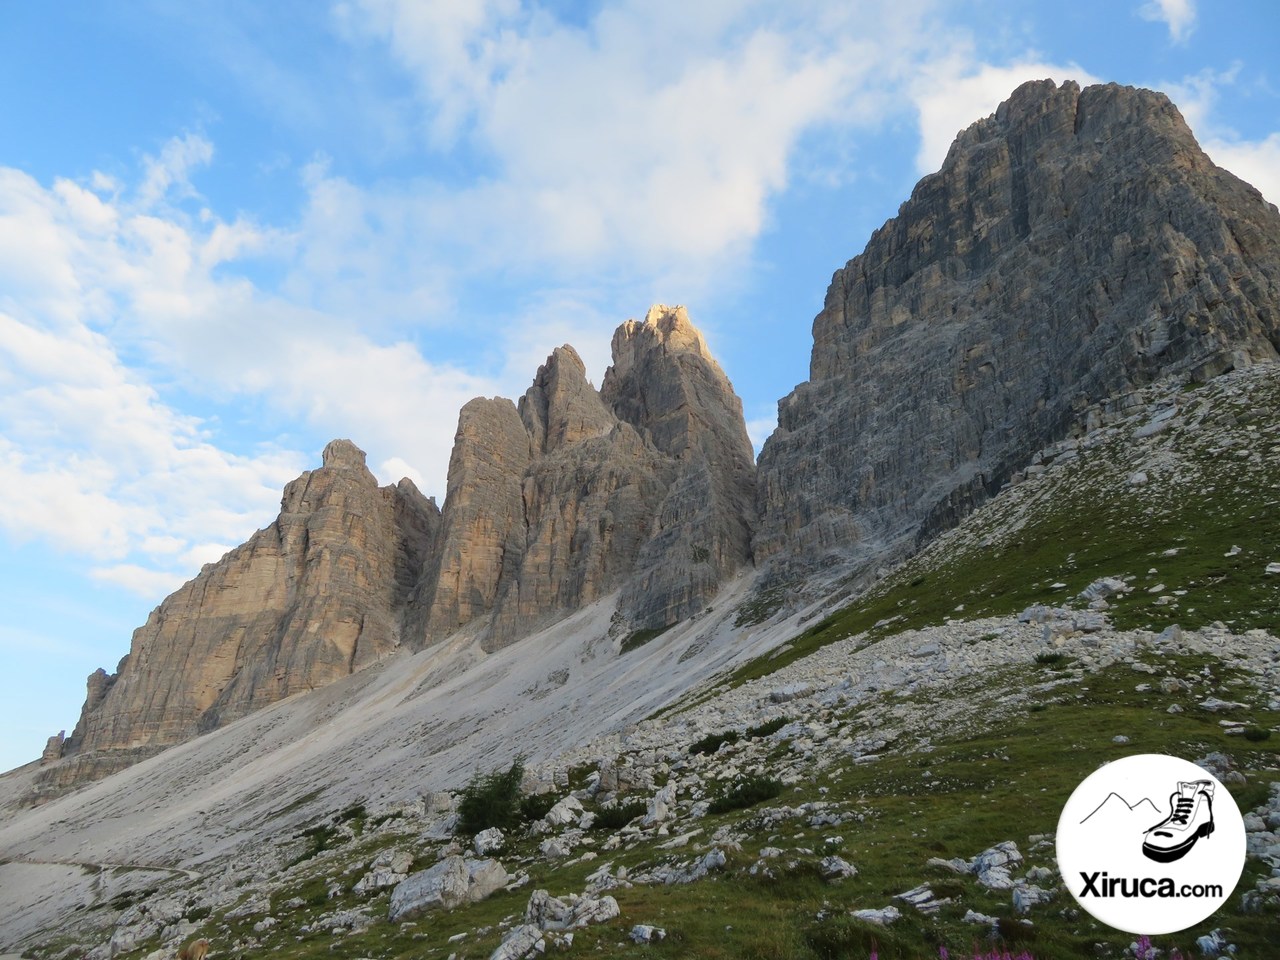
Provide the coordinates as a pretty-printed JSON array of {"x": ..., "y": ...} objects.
[
  {"x": 311, "y": 598},
  {"x": 1073, "y": 246}
]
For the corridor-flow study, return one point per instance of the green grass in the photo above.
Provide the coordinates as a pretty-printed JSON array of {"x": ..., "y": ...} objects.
[
  {"x": 638, "y": 639},
  {"x": 1087, "y": 522},
  {"x": 1004, "y": 775}
]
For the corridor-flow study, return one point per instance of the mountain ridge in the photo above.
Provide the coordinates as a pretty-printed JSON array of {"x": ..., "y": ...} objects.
[{"x": 1074, "y": 246}]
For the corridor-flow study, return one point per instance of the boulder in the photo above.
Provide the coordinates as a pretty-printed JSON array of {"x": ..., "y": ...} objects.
[{"x": 451, "y": 882}]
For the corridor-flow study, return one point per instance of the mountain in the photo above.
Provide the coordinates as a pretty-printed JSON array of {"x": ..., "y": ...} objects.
[
  {"x": 1074, "y": 246},
  {"x": 911, "y": 740},
  {"x": 644, "y": 487}
]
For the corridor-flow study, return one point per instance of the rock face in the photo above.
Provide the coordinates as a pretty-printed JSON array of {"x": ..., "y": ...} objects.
[
  {"x": 1074, "y": 245},
  {"x": 311, "y": 598},
  {"x": 646, "y": 485}
]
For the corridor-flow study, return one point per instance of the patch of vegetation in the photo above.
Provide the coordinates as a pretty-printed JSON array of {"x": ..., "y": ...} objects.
[
  {"x": 714, "y": 741},
  {"x": 746, "y": 792},
  {"x": 491, "y": 800},
  {"x": 640, "y": 638},
  {"x": 297, "y": 804},
  {"x": 356, "y": 815},
  {"x": 1203, "y": 530},
  {"x": 320, "y": 838},
  {"x": 1257, "y": 734},
  {"x": 1051, "y": 658},
  {"x": 768, "y": 727},
  {"x": 762, "y": 605},
  {"x": 537, "y": 805},
  {"x": 617, "y": 817}
]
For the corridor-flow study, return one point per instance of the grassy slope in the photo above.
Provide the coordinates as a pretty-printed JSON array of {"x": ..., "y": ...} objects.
[
  {"x": 1213, "y": 485},
  {"x": 968, "y": 787}
]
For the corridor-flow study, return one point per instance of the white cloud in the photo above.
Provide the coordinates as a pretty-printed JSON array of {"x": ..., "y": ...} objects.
[
  {"x": 171, "y": 171},
  {"x": 1257, "y": 162},
  {"x": 1178, "y": 15},
  {"x": 759, "y": 429},
  {"x": 143, "y": 581},
  {"x": 94, "y": 460},
  {"x": 654, "y": 136},
  {"x": 957, "y": 91}
]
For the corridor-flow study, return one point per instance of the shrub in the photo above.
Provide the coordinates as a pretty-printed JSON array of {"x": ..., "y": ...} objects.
[
  {"x": 713, "y": 741},
  {"x": 768, "y": 727},
  {"x": 491, "y": 800},
  {"x": 1050, "y": 658},
  {"x": 746, "y": 792},
  {"x": 537, "y": 806},
  {"x": 615, "y": 818},
  {"x": 1257, "y": 734}
]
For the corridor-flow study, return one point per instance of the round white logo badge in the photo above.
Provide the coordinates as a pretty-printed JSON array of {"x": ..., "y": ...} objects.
[{"x": 1151, "y": 844}]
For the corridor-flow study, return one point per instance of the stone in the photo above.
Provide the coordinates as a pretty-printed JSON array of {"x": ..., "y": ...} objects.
[
  {"x": 660, "y": 805},
  {"x": 931, "y": 381},
  {"x": 881, "y": 917},
  {"x": 992, "y": 866},
  {"x": 451, "y": 882},
  {"x": 1102, "y": 588},
  {"x": 644, "y": 933},
  {"x": 53, "y": 748},
  {"x": 564, "y": 812},
  {"x": 487, "y": 841},
  {"x": 1026, "y": 896},
  {"x": 834, "y": 868},
  {"x": 552, "y": 913},
  {"x": 1215, "y": 705},
  {"x": 522, "y": 941}
]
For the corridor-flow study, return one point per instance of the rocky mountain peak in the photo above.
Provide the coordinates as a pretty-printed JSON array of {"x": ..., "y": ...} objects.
[
  {"x": 1074, "y": 246},
  {"x": 632, "y": 486},
  {"x": 343, "y": 455},
  {"x": 561, "y": 406}
]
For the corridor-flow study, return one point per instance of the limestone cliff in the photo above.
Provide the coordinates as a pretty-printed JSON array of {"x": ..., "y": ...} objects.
[
  {"x": 645, "y": 485},
  {"x": 1074, "y": 245},
  {"x": 311, "y": 598}
]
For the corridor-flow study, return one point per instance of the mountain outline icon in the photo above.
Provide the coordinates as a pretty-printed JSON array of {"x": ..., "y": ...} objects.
[{"x": 1113, "y": 801}]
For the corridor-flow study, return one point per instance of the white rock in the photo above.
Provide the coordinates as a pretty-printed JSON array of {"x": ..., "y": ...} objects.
[
  {"x": 565, "y": 812},
  {"x": 487, "y": 841},
  {"x": 835, "y": 868},
  {"x": 523, "y": 941},
  {"x": 450, "y": 882},
  {"x": 884, "y": 916},
  {"x": 644, "y": 933}
]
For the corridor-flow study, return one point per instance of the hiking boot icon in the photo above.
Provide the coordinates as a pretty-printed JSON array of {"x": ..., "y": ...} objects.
[{"x": 1190, "y": 818}]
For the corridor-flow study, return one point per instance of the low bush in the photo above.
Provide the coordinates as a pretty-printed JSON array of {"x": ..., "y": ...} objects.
[
  {"x": 713, "y": 741},
  {"x": 744, "y": 793},
  {"x": 1257, "y": 734},
  {"x": 768, "y": 727},
  {"x": 615, "y": 818},
  {"x": 537, "y": 806}
]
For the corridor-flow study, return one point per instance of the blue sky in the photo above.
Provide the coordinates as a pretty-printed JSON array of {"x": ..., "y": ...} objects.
[{"x": 232, "y": 231}]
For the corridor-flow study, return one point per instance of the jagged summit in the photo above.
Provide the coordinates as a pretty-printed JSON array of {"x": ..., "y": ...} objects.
[
  {"x": 551, "y": 505},
  {"x": 1074, "y": 245},
  {"x": 343, "y": 454}
]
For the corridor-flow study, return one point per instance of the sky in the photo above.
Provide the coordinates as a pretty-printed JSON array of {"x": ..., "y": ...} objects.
[{"x": 232, "y": 231}]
